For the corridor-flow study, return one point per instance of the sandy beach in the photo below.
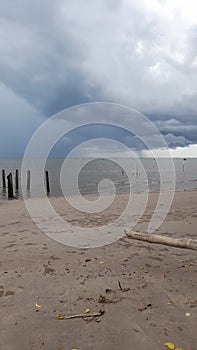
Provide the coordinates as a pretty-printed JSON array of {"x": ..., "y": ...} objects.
[{"x": 148, "y": 292}]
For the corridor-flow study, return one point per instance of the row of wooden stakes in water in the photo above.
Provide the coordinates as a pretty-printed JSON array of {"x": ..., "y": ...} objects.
[{"x": 10, "y": 186}]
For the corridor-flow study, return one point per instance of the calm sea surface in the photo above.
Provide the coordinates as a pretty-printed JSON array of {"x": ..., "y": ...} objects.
[{"x": 125, "y": 175}]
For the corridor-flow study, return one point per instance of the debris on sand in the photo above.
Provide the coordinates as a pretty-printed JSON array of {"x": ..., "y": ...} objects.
[{"x": 84, "y": 316}]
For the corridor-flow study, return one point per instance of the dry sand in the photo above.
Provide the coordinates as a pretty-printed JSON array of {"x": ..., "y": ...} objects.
[{"x": 145, "y": 290}]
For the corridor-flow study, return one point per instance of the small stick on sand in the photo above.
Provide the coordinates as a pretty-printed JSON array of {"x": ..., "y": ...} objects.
[
  {"x": 96, "y": 314},
  {"x": 119, "y": 285},
  {"x": 184, "y": 243}
]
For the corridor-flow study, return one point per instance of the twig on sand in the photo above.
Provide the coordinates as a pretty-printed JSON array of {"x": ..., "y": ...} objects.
[
  {"x": 119, "y": 285},
  {"x": 95, "y": 314},
  {"x": 123, "y": 289},
  {"x": 158, "y": 239}
]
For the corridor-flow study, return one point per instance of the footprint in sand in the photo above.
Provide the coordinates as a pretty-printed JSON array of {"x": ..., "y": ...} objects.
[
  {"x": 48, "y": 270},
  {"x": 1, "y": 291},
  {"x": 7, "y": 293}
]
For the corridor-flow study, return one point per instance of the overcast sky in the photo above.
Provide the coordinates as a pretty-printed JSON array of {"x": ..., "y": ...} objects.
[{"x": 56, "y": 54}]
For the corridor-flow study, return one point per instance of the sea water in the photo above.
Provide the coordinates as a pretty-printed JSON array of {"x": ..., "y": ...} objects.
[{"x": 123, "y": 175}]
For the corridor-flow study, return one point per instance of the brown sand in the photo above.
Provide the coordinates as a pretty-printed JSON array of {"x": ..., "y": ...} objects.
[{"x": 159, "y": 284}]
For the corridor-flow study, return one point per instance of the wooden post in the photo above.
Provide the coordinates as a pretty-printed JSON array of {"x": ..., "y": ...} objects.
[
  {"x": 3, "y": 179},
  {"x": 28, "y": 180},
  {"x": 47, "y": 182},
  {"x": 184, "y": 159},
  {"x": 10, "y": 186},
  {"x": 16, "y": 180}
]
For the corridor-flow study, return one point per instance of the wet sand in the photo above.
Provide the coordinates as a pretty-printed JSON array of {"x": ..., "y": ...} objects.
[{"x": 148, "y": 292}]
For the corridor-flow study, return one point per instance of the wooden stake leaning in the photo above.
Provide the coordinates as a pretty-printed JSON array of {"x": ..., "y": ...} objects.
[{"x": 184, "y": 243}]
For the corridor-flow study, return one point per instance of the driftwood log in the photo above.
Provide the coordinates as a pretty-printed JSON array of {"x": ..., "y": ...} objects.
[{"x": 158, "y": 239}]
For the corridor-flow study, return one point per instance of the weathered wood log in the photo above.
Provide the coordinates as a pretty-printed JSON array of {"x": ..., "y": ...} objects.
[
  {"x": 185, "y": 243},
  {"x": 28, "y": 180},
  {"x": 3, "y": 179},
  {"x": 47, "y": 182},
  {"x": 16, "y": 181},
  {"x": 10, "y": 186}
]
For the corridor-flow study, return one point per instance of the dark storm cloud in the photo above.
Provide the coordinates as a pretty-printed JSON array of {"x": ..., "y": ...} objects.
[
  {"x": 40, "y": 60},
  {"x": 56, "y": 54},
  {"x": 102, "y": 131}
]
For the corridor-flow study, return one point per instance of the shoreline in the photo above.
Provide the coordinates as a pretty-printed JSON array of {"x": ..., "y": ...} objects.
[{"x": 96, "y": 195}]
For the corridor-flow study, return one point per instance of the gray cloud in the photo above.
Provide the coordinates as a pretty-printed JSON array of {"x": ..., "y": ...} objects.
[
  {"x": 174, "y": 141},
  {"x": 62, "y": 53}
]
